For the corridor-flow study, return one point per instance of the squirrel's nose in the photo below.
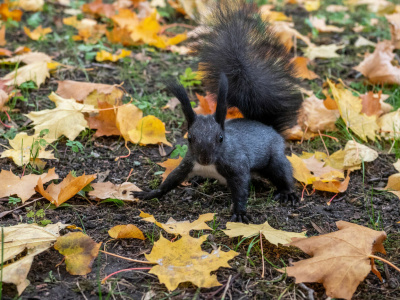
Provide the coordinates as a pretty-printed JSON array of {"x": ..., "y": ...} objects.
[{"x": 203, "y": 160}]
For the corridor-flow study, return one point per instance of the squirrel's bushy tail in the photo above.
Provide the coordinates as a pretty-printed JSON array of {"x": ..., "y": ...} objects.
[{"x": 237, "y": 42}]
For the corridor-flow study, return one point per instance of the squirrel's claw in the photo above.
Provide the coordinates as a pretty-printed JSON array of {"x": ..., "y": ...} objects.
[
  {"x": 146, "y": 195},
  {"x": 285, "y": 198},
  {"x": 241, "y": 218}
]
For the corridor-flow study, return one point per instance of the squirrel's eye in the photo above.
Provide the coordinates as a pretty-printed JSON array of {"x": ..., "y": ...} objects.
[
  {"x": 221, "y": 138},
  {"x": 189, "y": 138}
]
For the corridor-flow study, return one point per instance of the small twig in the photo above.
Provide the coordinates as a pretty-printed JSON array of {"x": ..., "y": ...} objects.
[
  {"x": 77, "y": 283},
  {"x": 129, "y": 259},
  {"x": 385, "y": 261},
  {"x": 262, "y": 256},
  {"x": 124, "y": 270},
  {"x": 330, "y": 201},
  {"x": 323, "y": 142},
  {"x": 226, "y": 287},
  {"x": 5, "y": 213}
]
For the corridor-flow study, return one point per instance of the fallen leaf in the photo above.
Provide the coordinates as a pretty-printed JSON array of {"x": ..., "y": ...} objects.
[
  {"x": 377, "y": 67},
  {"x": 287, "y": 33},
  {"x": 27, "y": 58},
  {"x": 371, "y": 105},
  {"x": 103, "y": 55},
  {"x": 27, "y": 148},
  {"x": 97, "y": 7},
  {"x": 126, "y": 232},
  {"x": 6, "y": 14},
  {"x": 105, "y": 121},
  {"x": 393, "y": 184},
  {"x": 356, "y": 154},
  {"x": 340, "y": 260},
  {"x": 128, "y": 117},
  {"x": 66, "y": 189},
  {"x": 36, "y": 72},
  {"x": 184, "y": 261},
  {"x": 90, "y": 93},
  {"x": 350, "y": 108},
  {"x": 390, "y": 125},
  {"x": 105, "y": 190},
  {"x": 172, "y": 103},
  {"x": 23, "y": 187},
  {"x": 3, "y": 41},
  {"x": 66, "y": 119},
  {"x": 38, "y": 33},
  {"x": 19, "y": 238},
  {"x": 149, "y": 130},
  {"x": 300, "y": 171},
  {"x": 272, "y": 235},
  {"x": 302, "y": 71},
  {"x": 30, "y": 5},
  {"x": 394, "y": 20},
  {"x": 397, "y": 165},
  {"x": 312, "y": 5},
  {"x": 361, "y": 41},
  {"x": 208, "y": 105},
  {"x": 4, "y": 52},
  {"x": 79, "y": 251},
  {"x": 323, "y": 51},
  {"x": 268, "y": 15},
  {"x": 320, "y": 25},
  {"x": 333, "y": 186},
  {"x": 169, "y": 165},
  {"x": 182, "y": 227}
]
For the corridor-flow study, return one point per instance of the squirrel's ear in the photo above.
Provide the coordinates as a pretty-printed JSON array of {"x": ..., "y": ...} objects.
[
  {"x": 220, "y": 112},
  {"x": 179, "y": 91}
]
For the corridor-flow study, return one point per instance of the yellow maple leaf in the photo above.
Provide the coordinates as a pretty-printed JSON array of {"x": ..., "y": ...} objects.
[
  {"x": 128, "y": 117},
  {"x": 3, "y": 41},
  {"x": 66, "y": 119},
  {"x": 126, "y": 232},
  {"x": 169, "y": 165},
  {"x": 37, "y": 72},
  {"x": 37, "y": 33},
  {"x": 149, "y": 130},
  {"x": 350, "y": 108},
  {"x": 300, "y": 170},
  {"x": 27, "y": 148},
  {"x": 274, "y": 236},
  {"x": 103, "y": 55},
  {"x": 79, "y": 251},
  {"x": 390, "y": 125},
  {"x": 184, "y": 261}
]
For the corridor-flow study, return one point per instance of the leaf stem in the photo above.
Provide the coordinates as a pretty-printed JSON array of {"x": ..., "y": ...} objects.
[
  {"x": 124, "y": 270},
  {"x": 385, "y": 261},
  {"x": 126, "y": 258}
]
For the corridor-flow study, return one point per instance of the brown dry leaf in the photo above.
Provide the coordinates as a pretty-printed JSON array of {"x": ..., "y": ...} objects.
[
  {"x": 36, "y": 72},
  {"x": 97, "y": 7},
  {"x": 105, "y": 190},
  {"x": 302, "y": 71},
  {"x": 66, "y": 189},
  {"x": 3, "y": 41},
  {"x": 37, "y": 33},
  {"x": 27, "y": 58},
  {"x": 393, "y": 184},
  {"x": 105, "y": 121},
  {"x": 340, "y": 260},
  {"x": 323, "y": 51},
  {"x": 169, "y": 165},
  {"x": 390, "y": 125},
  {"x": 316, "y": 117},
  {"x": 128, "y": 117},
  {"x": 79, "y": 251},
  {"x": 149, "y": 130},
  {"x": 372, "y": 104},
  {"x": 378, "y": 67},
  {"x": 126, "y": 232},
  {"x": 23, "y": 187},
  {"x": 182, "y": 227},
  {"x": 21, "y": 238},
  {"x": 3, "y": 51},
  {"x": 333, "y": 186},
  {"x": 207, "y": 105},
  {"x": 394, "y": 20},
  {"x": 329, "y": 103},
  {"x": 66, "y": 119},
  {"x": 350, "y": 109},
  {"x": 272, "y": 235},
  {"x": 27, "y": 148},
  {"x": 184, "y": 261},
  {"x": 320, "y": 25},
  {"x": 90, "y": 93}
]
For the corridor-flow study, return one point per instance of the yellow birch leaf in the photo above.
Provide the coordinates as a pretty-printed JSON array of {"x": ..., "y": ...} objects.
[
  {"x": 126, "y": 232},
  {"x": 79, "y": 251},
  {"x": 184, "y": 261},
  {"x": 37, "y": 33},
  {"x": 149, "y": 130}
]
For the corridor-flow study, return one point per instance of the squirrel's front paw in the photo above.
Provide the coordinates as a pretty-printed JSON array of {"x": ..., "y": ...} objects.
[
  {"x": 285, "y": 198},
  {"x": 241, "y": 218},
  {"x": 147, "y": 195}
]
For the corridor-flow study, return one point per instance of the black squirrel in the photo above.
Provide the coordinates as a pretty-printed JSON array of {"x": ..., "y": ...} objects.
[{"x": 244, "y": 63}]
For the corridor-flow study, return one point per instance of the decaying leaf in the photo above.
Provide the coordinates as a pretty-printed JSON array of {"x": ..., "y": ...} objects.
[
  {"x": 23, "y": 187},
  {"x": 169, "y": 165},
  {"x": 69, "y": 187},
  {"x": 149, "y": 130},
  {"x": 126, "y": 232},
  {"x": 272, "y": 235},
  {"x": 340, "y": 260},
  {"x": 79, "y": 251},
  {"x": 25, "y": 149},
  {"x": 18, "y": 238},
  {"x": 105, "y": 190},
  {"x": 66, "y": 119},
  {"x": 350, "y": 108},
  {"x": 183, "y": 227},
  {"x": 184, "y": 261}
]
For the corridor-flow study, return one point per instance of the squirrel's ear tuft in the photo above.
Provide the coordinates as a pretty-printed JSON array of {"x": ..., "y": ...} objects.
[
  {"x": 179, "y": 91},
  {"x": 220, "y": 113}
]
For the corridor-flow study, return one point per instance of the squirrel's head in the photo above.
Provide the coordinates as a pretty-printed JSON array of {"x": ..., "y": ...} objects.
[{"x": 206, "y": 133}]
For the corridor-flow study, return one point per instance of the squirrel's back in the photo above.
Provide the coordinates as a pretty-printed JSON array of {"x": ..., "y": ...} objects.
[{"x": 262, "y": 82}]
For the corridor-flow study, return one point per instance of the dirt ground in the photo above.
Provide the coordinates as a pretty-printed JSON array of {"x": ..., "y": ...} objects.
[{"x": 362, "y": 203}]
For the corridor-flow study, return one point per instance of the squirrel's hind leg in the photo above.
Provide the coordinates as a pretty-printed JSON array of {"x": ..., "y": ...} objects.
[{"x": 280, "y": 173}]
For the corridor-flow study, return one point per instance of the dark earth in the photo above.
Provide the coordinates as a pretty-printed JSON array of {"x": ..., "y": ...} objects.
[{"x": 363, "y": 203}]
